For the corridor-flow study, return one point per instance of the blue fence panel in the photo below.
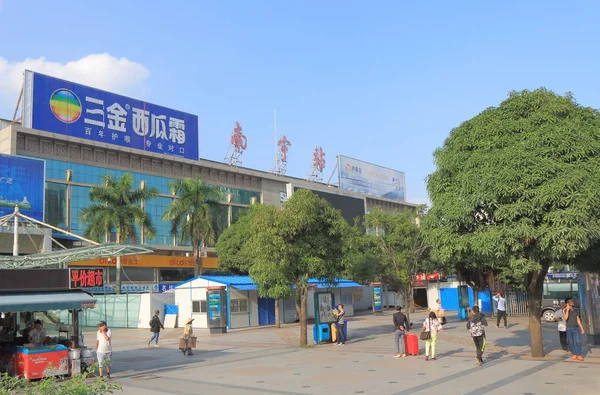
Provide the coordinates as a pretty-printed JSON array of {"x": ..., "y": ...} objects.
[{"x": 449, "y": 298}]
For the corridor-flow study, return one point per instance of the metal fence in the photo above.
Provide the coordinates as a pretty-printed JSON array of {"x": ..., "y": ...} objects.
[{"x": 517, "y": 303}]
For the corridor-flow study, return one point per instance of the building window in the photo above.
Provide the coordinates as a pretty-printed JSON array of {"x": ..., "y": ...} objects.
[
  {"x": 56, "y": 205},
  {"x": 239, "y": 305},
  {"x": 198, "y": 306},
  {"x": 176, "y": 274},
  {"x": 132, "y": 274}
]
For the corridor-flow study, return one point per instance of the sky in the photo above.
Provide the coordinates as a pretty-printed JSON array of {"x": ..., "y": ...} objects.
[{"x": 384, "y": 82}]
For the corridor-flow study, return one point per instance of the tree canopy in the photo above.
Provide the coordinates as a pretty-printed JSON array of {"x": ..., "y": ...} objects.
[
  {"x": 116, "y": 207},
  {"x": 192, "y": 215},
  {"x": 519, "y": 184},
  {"x": 304, "y": 240}
]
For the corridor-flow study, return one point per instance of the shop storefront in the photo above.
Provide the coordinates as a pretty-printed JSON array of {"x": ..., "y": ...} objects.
[{"x": 31, "y": 344}]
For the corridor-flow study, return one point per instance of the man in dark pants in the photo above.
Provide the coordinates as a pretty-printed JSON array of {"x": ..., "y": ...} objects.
[
  {"x": 476, "y": 326},
  {"x": 401, "y": 328},
  {"x": 559, "y": 316},
  {"x": 501, "y": 309},
  {"x": 574, "y": 329}
]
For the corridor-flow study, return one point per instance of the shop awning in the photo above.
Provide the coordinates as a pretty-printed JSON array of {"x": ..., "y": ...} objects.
[
  {"x": 245, "y": 283},
  {"x": 42, "y": 301},
  {"x": 62, "y": 257}
]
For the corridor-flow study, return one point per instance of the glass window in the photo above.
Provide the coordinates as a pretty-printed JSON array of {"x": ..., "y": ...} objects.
[
  {"x": 56, "y": 205},
  {"x": 199, "y": 306},
  {"x": 239, "y": 305},
  {"x": 132, "y": 274},
  {"x": 176, "y": 274},
  {"x": 236, "y": 212},
  {"x": 80, "y": 199}
]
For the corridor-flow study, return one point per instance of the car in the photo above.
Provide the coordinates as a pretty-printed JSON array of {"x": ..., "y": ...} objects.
[{"x": 548, "y": 313}]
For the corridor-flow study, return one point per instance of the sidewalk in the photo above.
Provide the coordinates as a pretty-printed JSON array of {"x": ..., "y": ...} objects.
[{"x": 268, "y": 361}]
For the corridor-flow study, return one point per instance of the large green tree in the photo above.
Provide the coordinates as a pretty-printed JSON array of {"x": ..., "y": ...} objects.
[
  {"x": 519, "y": 184},
  {"x": 193, "y": 215},
  {"x": 304, "y": 240},
  {"x": 233, "y": 249},
  {"x": 396, "y": 240},
  {"x": 116, "y": 207}
]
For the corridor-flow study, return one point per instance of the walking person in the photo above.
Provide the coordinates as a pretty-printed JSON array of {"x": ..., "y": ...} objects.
[
  {"x": 155, "y": 326},
  {"x": 476, "y": 326},
  {"x": 104, "y": 348},
  {"x": 341, "y": 322},
  {"x": 433, "y": 326},
  {"x": 574, "y": 329},
  {"x": 401, "y": 329},
  {"x": 188, "y": 332},
  {"x": 501, "y": 309},
  {"x": 440, "y": 313},
  {"x": 559, "y": 316}
]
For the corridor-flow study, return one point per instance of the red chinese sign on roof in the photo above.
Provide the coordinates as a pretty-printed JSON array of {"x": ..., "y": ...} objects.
[
  {"x": 86, "y": 278},
  {"x": 429, "y": 277}
]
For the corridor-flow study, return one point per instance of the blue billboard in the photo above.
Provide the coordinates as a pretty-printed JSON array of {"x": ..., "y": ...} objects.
[
  {"x": 71, "y": 109},
  {"x": 22, "y": 184}
]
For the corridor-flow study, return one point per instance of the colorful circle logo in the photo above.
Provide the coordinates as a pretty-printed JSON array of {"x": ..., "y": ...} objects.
[{"x": 65, "y": 105}]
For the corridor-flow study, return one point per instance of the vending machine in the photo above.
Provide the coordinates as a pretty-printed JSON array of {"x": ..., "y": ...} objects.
[{"x": 217, "y": 309}]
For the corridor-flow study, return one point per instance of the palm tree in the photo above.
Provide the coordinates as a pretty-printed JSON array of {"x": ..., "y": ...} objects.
[
  {"x": 192, "y": 215},
  {"x": 116, "y": 207}
]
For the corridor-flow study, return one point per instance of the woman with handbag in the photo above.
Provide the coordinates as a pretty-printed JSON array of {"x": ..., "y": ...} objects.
[
  {"x": 431, "y": 327},
  {"x": 188, "y": 332}
]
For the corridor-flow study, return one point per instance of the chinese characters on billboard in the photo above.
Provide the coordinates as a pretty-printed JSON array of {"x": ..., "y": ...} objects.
[
  {"x": 64, "y": 107},
  {"x": 22, "y": 184},
  {"x": 86, "y": 278},
  {"x": 363, "y": 177}
]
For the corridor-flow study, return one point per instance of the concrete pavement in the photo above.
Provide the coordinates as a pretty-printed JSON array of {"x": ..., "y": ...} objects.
[{"x": 268, "y": 361}]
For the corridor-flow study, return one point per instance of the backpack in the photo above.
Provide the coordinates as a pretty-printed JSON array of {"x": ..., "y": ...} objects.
[{"x": 476, "y": 329}]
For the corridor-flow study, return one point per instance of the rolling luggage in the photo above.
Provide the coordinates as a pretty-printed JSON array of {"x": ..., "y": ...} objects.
[{"x": 412, "y": 344}]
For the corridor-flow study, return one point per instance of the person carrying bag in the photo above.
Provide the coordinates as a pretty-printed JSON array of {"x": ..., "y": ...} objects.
[{"x": 431, "y": 327}]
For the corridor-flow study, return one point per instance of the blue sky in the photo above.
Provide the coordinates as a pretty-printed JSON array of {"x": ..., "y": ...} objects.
[{"x": 381, "y": 81}]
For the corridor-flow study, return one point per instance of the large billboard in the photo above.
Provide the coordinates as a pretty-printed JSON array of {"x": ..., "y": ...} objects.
[
  {"x": 22, "y": 184},
  {"x": 363, "y": 177},
  {"x": 351, "y": 207},
  {"x": 64, "y": 107}
]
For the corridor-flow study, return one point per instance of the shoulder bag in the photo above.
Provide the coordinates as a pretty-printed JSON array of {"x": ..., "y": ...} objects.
[{"x": 426, "y": 335}]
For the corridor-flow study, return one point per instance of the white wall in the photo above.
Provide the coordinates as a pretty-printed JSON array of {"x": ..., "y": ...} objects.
[
  {"x": 150, "y": 303},
  {"x": 250, "y": 318},
  {"x": 433, "y": 293}
]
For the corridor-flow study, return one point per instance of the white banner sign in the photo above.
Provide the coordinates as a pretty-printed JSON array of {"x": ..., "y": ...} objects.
[{"x": 364, "y": 177}]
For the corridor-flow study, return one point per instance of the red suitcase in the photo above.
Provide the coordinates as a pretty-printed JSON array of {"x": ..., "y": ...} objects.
[{"x": 412, "y": 344}]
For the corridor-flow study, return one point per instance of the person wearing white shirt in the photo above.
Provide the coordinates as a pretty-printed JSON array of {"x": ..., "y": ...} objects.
[
  {"x": 559, "y": 316},
  {"x": 104, "y": 348},
  {"x": 501, "y": 309}
]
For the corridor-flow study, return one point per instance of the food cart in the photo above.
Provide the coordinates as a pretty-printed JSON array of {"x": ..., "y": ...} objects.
[{"x": 28, "y": 294}]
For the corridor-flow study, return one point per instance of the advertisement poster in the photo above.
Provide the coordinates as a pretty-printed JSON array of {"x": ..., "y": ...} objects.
[
  {"x": 358, "y": 176},
  {"x": 377, "y": 298},
  {"x": 325, "y": 301},
  {"x": 63, "y": 107},
  {"x": 214, "y": 309},
  {"x": 22, "y": 184}
]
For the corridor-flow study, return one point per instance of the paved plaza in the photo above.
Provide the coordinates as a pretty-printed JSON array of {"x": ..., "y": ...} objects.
[{"x": 268, "y": 361}]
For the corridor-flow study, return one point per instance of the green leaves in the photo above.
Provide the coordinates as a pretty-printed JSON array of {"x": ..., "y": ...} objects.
[
  {"x": 116, "y": 208},
  {"x": 520, "y": 180}
]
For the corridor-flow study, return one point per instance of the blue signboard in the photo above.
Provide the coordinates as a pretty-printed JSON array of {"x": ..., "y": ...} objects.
[
  {"x": 22, "y": 184},
  {"x": 64, "y": 107},
  {"x": 377, "y": 298}
]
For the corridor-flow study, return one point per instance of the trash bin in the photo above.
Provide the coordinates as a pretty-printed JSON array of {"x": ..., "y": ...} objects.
[{"x": 321, "y": 333}]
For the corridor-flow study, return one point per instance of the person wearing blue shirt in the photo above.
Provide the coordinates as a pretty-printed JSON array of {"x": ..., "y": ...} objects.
[{"x": 501, "y": 309}]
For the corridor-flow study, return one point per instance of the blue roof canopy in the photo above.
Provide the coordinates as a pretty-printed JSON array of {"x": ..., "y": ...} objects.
[
  {"x": 245, "y": 283},
  {"x": 43, "y": 301}
]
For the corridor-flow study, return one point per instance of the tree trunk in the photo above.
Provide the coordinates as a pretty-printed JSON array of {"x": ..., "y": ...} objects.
[
  {"x": 302, "y": 296},
  {"x": 118, "y": 275},
  {"x": 411, "y": 297},
  {"x": 277, "y": 319},
  {"x": 118, "y": 268},
  {"x": 197, "y": 261},
  {"x": 534, "y": 296},
  {"x": 475, "y": 296},
  {"x": 406, "y": 305}
]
